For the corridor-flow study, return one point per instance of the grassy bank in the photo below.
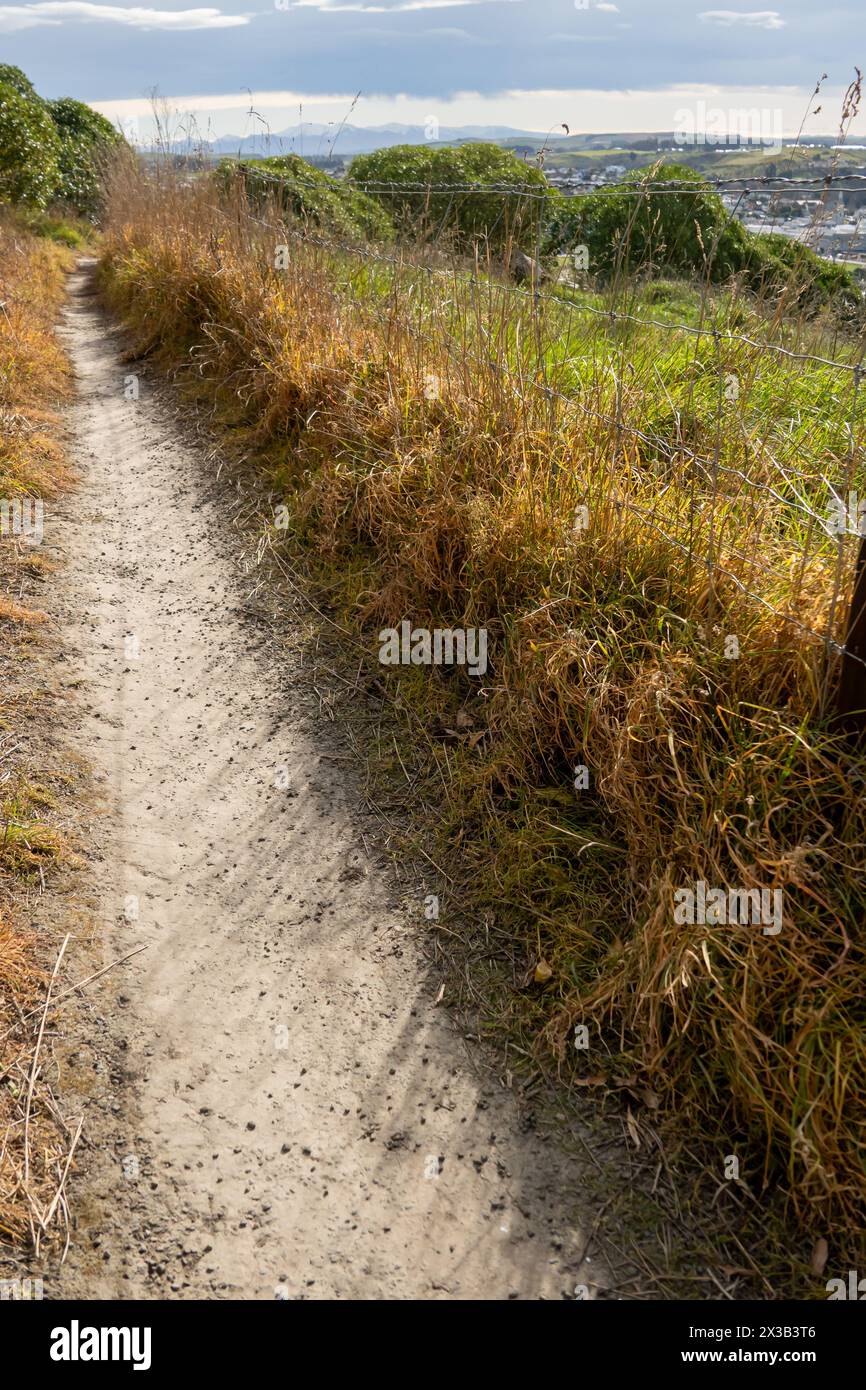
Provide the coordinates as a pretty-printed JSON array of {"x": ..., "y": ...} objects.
[
  {"x": 612, "y": 501},
  {"x": 34, "y": 383}
]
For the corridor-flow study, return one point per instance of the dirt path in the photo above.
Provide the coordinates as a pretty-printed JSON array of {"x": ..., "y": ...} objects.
[{"x": 284, "y": 1112}]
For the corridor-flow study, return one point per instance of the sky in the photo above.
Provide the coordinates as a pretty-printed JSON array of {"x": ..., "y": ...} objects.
[{"x": 635, "y": 65}]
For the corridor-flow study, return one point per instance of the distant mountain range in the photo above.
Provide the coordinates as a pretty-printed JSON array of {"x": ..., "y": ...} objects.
[{"x": 315, "y": 140}]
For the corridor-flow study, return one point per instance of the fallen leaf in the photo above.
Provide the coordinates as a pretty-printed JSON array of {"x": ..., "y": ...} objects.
[
  {"x": 543, "y": 972},
  {"x": 819, "y": 1256}
]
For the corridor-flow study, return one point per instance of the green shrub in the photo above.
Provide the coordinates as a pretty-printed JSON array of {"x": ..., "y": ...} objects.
[
  {"x": 53, "y": 228},
  {"x": 310, "y": 195},
  {"x": 629, "y": 231},
  {"x": 86, "y": 138},
  {"x": 776, "y": 263},
  {"x": 437, "y": 203},
  {"x": 50, "y": 149},
  {"x": 13, "y": 77},
  {"x": 634, "y": 228},
  {"x": 29, "y": 149}
]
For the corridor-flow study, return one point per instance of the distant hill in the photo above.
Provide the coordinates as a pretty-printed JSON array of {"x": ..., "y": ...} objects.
[
  {"x": 318, "y": 141},
  {"x": 314, "y": 139}
]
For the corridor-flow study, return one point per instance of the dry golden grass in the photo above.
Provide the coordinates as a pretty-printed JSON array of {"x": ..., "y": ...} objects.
[
  {"x": 35, "y": 376},
  {"x": 34, "y": 382},
  {"x": 455, "y": 508}
]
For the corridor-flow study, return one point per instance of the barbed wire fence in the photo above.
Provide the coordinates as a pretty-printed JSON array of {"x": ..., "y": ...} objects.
[{"x": 813, "y": 511}]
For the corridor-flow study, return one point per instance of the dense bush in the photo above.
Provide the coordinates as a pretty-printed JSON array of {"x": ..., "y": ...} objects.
[
  {"x": 29, "y": 148},
  {"x": 633, "y": 227},
  {"x": 85, "y": 139},
  {"x": 13, "y": 77},
  {"x": 430, "y": 197},
  {"x": 310, "y": 195},
  {"x": 775, "y": 263},
  {"x": 50, "y": 149},
  {"x": 474, "y": 194}
]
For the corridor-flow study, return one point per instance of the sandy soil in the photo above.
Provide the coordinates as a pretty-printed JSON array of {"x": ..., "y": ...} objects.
[{"x": 277, "y": 1107}]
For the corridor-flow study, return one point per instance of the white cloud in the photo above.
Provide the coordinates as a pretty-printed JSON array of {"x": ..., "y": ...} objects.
[
  {"x": 460, "y": 35},
  {"x": 752, "y": 19},
  {"x": 588, "y": 109},
  {"x": 357, "y": 7},
  {"x": 608, "y": 9},
  {"x": 576, "y": 38},
  {"x": 54, "y": 12},
  {"x": 15, "y": 17},
  {"x": 227, "y": 101}
]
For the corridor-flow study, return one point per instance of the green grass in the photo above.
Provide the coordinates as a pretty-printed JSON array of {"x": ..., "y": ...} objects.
[{"x": 64, "y": 230}]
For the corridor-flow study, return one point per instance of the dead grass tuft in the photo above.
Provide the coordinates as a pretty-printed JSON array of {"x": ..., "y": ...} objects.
[{"x": 35, "y": 1145}]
